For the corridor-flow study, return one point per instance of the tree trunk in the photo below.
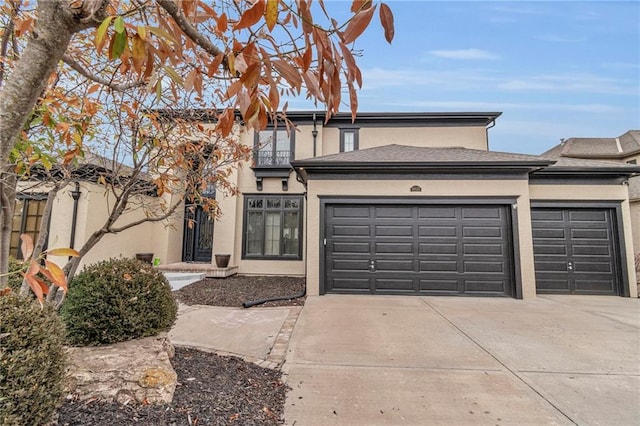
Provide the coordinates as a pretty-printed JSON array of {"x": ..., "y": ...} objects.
[{"x": 7, "y": 206}]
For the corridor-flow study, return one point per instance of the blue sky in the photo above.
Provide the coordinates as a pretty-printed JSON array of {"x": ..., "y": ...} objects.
[{"x": 555, "y": 69}]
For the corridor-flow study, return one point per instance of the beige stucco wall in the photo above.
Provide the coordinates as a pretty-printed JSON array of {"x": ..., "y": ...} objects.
[
  {"x": 430, "y": 188},
  {"x": 594, "y": 193},
  {"x": 370, "y": 137},
  {"x": 93, "y": 210}
]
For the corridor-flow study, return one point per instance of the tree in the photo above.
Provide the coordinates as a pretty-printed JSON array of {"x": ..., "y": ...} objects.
[{"x": 82, "y": 71}]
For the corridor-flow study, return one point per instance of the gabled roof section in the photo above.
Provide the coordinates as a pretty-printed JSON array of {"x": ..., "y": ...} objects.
[
  {"x": 614, "y": 148},
  {"x": 588, "y": 167}
]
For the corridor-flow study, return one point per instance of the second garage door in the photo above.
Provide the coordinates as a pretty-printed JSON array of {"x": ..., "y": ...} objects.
[
  {"x": 575, "y": 251},
  {"x": 418, "y": 249}
]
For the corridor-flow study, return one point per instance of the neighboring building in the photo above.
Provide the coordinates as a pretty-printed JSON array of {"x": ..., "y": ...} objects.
[{"x": 405, "y": 203}]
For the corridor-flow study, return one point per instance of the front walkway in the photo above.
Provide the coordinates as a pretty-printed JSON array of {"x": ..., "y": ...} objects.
[{"x": 369, "y": 360}]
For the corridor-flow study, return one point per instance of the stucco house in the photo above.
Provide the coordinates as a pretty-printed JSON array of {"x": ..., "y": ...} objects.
[{"x": 402, "y": 203}]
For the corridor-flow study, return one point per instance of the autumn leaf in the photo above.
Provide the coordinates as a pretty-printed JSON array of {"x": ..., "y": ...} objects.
[
  {"x": 271, "y": 14},
  {"x": 359, "y": 5},
  {"x": 102, "y": 32},
  {"x": 358, "y": 24},
  {"x": 127, "y": 277},
  {"x": 251, "y": 16},
  {"x": 63, "y": 252},
  {"x": 55, "y": 274},
  {"x": 26, "y": 248},
  {"x": 386, "y": 19},
  {"x": 38, "y": 287},
  {"x": 289, "y": 73}
]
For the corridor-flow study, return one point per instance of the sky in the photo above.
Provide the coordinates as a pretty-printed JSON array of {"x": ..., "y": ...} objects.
[{"x": 554, "y": 69}]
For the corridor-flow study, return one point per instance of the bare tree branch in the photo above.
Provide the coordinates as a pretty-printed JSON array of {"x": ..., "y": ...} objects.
[{"x": 90, "y": 76}]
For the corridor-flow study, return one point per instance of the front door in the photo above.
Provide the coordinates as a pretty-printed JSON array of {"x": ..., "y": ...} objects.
[{"x": 198, "y": 235}]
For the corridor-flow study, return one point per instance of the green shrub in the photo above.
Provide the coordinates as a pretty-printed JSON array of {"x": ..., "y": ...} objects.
[
  {"x": 33, "y": 362},
  {"x": 15, "y": 279},
  {"x": 117, "y": 300}
]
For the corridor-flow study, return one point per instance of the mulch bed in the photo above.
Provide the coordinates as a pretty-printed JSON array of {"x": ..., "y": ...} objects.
[
  {"x": 212, "y": 389},
  {"x": 235, "y": 290}
]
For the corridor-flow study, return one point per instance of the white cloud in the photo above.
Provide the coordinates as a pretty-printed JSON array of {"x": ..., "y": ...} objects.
[
  {"x": 554, "y": 38},
  {"x": 465, "y": 54},
  {"x": 375, "y": 78},
  {"x": 571, "y": 82},
  {"x": 505, "y": 106}
]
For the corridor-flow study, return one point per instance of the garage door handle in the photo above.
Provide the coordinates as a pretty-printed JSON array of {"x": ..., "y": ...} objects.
[
  {"x": 372, "y": 266},
  {"x": 570, "y": 266}
]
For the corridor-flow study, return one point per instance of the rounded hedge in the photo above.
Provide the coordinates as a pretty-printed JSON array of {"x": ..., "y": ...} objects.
[
  {"x": 117, "y": 300},
  {"x": 33, "y": 362}
]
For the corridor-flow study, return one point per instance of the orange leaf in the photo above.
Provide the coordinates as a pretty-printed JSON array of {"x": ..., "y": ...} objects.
[
  {"x": 251, "y": 16},
  {"x": 138, "y": 53},
  {"x": 127, "y": 277},
  {"x": 56, "y": 275},
  {"x": 37, "y": 286},
  {"x": 223, "y": 23},
  {"x": 289, "y": 73},
  {"x": 359, "y": 5},
  {"x": 271, "y": 14},
  {"x": 358, "y": 24},
  {"x": 26, "y": 248},
  {"x": 386, "y": 19},
  {"x": 63, "y": 252}
]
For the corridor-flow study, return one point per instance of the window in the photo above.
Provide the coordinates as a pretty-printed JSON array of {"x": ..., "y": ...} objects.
[
  {"x": 27, "y": 218},
  {"x": 274, "y": 148},
  {"x": 348, "y": 140},
  {"x": 272, "y": 228},
  {"x": 632, "y": 162}
]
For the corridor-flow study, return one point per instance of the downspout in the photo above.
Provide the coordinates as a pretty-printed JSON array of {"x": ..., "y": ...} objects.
[
  {"x": 314, "y": 133},
  {"x": 75, "y": 194},
  {"x": 486, "y": 132}
]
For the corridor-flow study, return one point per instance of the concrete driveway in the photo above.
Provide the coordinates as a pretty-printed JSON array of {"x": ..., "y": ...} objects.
[{"x": 368, "y": 360}]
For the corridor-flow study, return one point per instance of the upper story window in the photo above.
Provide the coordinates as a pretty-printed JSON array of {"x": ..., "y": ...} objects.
[
  {"x": 348, "y": 140},
  {"x": 274, "y": 147}
]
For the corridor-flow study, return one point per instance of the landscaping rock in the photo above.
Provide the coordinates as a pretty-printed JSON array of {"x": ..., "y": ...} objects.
[{"x": 137, "y": 370}]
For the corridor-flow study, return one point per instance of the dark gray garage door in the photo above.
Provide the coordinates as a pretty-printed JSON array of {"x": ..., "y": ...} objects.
[
  {"x": 574, "y": 251},
  {"x": 418, "y": 249}
]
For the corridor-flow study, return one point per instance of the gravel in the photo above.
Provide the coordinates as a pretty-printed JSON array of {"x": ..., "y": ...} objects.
[{"x": 212, "y": 389}]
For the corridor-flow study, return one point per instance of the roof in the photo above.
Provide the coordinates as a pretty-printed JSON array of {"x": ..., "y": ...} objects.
[
  {"x": 565, "y": 164},
  {"x": 623, "y": 146},
  {"x": 403, "y": 154},
  {"x": 362, "y": 118}
]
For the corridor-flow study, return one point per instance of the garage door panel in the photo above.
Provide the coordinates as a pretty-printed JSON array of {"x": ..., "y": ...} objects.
[
  {"x": 422, "y": 249},
  {"x": 437, "y": 231},
  {"x": 486, "y": 249},
  {"x": 588, "y": 216},
  {"x": 350, "y": 230},
  {"x": 405, "y": 285},
  {"x": 439, "y": 266},
  {"x": 481, "y": 213},
  {"x": 432, "y": 212},
  {"x": 590, "y": 234},
  {"x": 394, "y": 265},
  {"x": 351, "y": 284},
  {"x": 550, "y": 249},
  {"x": 350, "y": 247},
  {"x": 591, "y": 250},
  {"x": 482, "y": 232},
  {"x": 549, "y": 233},
  {"x": 577, "y": 253},
  {"x": 350, "y": 264},
  {"x": 393, "y": 212},
  {"x": 394, "y": 248},
  {"x": 439, "y": 285},
  {"x": 350, "y": 212},
  {"x": 394, "y": 231},
  {"x": 484, "y": 267},
  {"x": 485, "y": 286},
  {"x": 603, "y": 286},
  {"x": 425, "y": 248}
]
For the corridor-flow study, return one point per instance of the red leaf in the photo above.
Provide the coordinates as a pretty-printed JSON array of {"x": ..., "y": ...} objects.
[
  {"x": 251, "y": 16},
  {"x": 27, "y": 246},
  {"x": 358, "y": 24},
  {"x": 386, "y": 19},
  {"x": 38, "y": 287},
  {"x": 359, "y": 5}
]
